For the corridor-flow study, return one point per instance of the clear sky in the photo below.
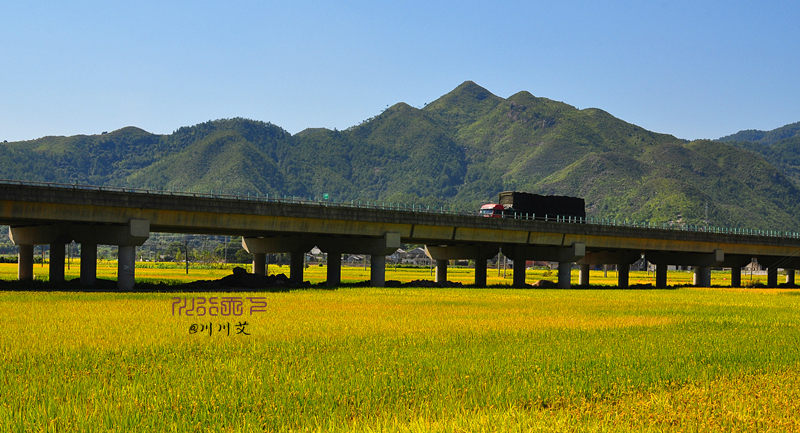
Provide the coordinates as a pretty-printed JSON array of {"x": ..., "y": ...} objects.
[{"x": 694, "y": 69}]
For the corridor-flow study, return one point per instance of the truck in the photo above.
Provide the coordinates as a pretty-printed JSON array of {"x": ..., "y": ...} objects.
[{"x": 517, "y": 204}]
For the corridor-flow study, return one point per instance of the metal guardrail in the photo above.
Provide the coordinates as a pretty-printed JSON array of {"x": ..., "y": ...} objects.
[{"x": 397, "y": 207}]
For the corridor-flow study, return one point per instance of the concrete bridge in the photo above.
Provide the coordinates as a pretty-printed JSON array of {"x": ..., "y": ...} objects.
[{"x": 59, "y": 214}]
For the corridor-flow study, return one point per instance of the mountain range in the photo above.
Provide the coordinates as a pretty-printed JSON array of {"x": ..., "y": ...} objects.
[{"x": 458, "y": 151}]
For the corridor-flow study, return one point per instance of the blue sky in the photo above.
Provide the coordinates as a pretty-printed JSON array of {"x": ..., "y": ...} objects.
[{"x": 692, "y": 69}]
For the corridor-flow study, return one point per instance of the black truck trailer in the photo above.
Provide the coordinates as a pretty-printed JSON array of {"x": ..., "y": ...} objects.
[{"x": 527, "y": 205}]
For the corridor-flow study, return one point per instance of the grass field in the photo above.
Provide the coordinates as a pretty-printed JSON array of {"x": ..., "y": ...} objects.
[{"x": 391, "y": 359}]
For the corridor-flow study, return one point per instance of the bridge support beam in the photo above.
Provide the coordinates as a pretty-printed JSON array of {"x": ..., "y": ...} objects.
[
  {"x": 564, "y": 275},
  {"x": 736, "y": 276},
  {"x": 55, "y": 235},
  {"x": 88, "y": 264},
  {"x": 297, "y": 264},
  {"x": 623, "y": 260},
  {"x": 773, "y": 263},
  {"x": 296, "y": 246},
  {"x": 260, "y": 263},
  {"x": 444, "y": 253},
  {"x": 702, "y": 262},
  {"x": 583, "y": 275},
  {"x": 25, "y": 263},
  {"x": 334, "y": 269},
  {"x": 480, "y": 272},
  {"x": 126, "y": 237},
  {"x": 661, "y": 275},
  {"x": 441, "y": 271},
  {"x": 519, "y": 273},
  {"x": 377, "y": 270},
  {"x": 790, "y": 277},
  {"x": 623, "y": 275},
  {"x": 736, "y": 263},
  {"x": 565, "y": 256},
  {"x": 702, "y": 276},
  {"x": 57, "y": 256},
  {"x": 126, "y": 267},
  {"x": 772, "y": 276},
  {"x": 376, "y": 248}
]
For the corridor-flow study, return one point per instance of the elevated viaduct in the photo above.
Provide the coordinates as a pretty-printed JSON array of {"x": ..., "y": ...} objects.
[{"x": 59, "y": 214}]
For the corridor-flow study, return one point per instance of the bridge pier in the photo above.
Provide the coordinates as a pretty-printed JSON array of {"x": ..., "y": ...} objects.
[
  {"x": 376, "y": 248},
  {"x": 736, "y": 276},
  {"x": 296, "y": 246},
  {"x": 442, "y": 254},
  {"x": 702, "y": 263},
  {"x": 260, "y": 263},
  {"x": 126, "y": 267},
  {"x": 772, "y": 276},
  {"x": 127, "y": 237},
  {"x": 661, "y": 274},
  {"x": 583, "y": 275},
  {"x": 25, "y": 262},
  {"x": 54, "y": 235},
  {"x": 334, "y": 269},
  {"x": 772, "y": 264},
  {"x": 88, "y": 264},
  {"x": 480, "y": 272},
  {"x": 564, "y": 275},
  {"x": 565, "y": 256},
  {"x": 441, "y": 271},
  {"x": 789, "y": 276},
  {"x": 519, "y": 272},
  {"x": 702, "y": 276},
  {"x": 623, "y": 275},
  {"x": 57, "y": 256},
  {"x": 622, "y": 259},
  {"x": 377, "y": 270},
  {"x": 297, "y": 263}
]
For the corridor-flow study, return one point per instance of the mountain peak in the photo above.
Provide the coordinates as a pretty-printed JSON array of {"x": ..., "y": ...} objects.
[{"x": 464, "y": 104}]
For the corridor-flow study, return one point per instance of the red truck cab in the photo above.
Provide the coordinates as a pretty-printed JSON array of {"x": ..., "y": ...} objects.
[{"x": 492, "y": 210}]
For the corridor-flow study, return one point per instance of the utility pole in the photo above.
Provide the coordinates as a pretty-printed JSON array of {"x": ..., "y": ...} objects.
[{"x": 186, "y": 253}]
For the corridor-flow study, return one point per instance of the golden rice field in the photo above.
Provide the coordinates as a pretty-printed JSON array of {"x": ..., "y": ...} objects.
[
  {"x": 176, "y": 273},
  {"x": 401, "y": 359}
]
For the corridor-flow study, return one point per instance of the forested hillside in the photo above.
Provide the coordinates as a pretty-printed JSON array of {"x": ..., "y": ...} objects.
[{"x": 458, "y": 151}]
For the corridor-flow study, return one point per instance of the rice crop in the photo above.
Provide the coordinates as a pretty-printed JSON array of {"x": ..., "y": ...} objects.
[{"x": 402, "y": 359}]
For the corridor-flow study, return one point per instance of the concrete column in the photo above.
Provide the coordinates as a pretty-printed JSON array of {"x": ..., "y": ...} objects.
[
  {"x": 377, "y": 270},
  {"x": 736, "y": 276},
  {"x": 441, "y": 271},
  {"x": 583, "y": 278},
  {"x": 519, "y": 270},
  {"x": 296, "y": 265},
  {"x": 334, "y": 269},
  {"x": 564, "y": 275},
  {"x": 623, "y": 274},
  {"x": 772, "y": 276},
  {"x": 25, "y": 263},
  {"x": 260, "y": 263},
  {"x": 88, "y": 264},
  {"x": 57, "y": 256},
  {"x": 661, "y": 275},
  {"x": 702, "y": 276},
  {"x": 789, "y": 276},
  {"x": 126, "y": 268},
  {"x": 480, "y": 272}
]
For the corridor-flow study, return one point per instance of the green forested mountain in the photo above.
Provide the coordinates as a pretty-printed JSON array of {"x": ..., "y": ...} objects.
[
  {"x": 458, "y": 151},
  {"x": 780, "y": 147}
]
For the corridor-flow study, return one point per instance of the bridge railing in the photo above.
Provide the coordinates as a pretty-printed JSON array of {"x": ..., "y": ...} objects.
[{"x": 399, "y": 207}]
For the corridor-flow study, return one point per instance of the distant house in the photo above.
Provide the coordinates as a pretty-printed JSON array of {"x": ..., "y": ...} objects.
[{"x": 415, "y": 257}]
